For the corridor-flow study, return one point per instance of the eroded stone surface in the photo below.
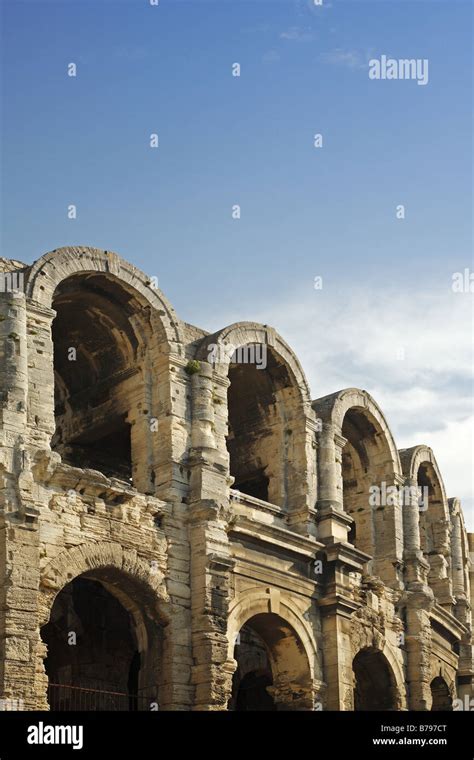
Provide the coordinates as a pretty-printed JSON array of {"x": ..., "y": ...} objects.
[{"x": 180, "y": 532}]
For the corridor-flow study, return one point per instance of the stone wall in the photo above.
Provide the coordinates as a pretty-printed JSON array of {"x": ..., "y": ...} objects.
[{"x": 190, "y": 531}]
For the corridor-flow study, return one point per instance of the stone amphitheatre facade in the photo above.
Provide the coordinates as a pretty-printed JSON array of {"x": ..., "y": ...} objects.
[{"x": 178, "y": 533}]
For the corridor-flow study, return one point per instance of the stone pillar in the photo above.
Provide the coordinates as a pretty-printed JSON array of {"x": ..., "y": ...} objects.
[
  {"x": 337, "y": 657},
  {"x": 439, "y": 576},
  {"x": 144, "y": 428},
  {"x": 169, "y": 412},
  {"x": 211, "y": 561},
  {"x": 19, "y": 544},
  {"x": 176, "y": 692},
  {"x": 411, "y": 527},
  {"x": 333, "y": 523},
  {"x": 13, "y": 365},
  {"x": 41, "y": 420},
  {"x": 170, "y": 475},
  {"x": 329, "y": 484},
  {"x": 462, "y": 607},
  {"x": 337, "y": 605},
  {"x": 211, "y": 565},
  {"x": 301, "y": 483},
  {"x": 457, "y": 559},
  {"x": 418, "y": 647},
  {"x": 415, "y": 566}
]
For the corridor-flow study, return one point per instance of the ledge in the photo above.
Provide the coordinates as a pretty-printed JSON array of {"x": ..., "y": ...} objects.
[
  {"x": 242, "y": 498},
  {"x": 276, "y": 536},
  {"x": 347, "y": 554},
  {"x": 447, "y": 621},
  {"x": 94, "y": 483}
]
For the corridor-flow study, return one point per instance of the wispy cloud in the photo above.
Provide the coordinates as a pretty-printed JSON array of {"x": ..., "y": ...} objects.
[
  {"x": 352, "y": 59},
  {"x": 411, "y": 350},
  {"x": 298, "y": 34}
]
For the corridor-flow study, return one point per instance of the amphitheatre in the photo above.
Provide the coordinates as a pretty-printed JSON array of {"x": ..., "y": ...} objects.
[{"x": 184, "y": 533}]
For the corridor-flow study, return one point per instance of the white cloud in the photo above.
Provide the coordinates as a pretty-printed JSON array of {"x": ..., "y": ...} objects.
[
  {"x": 453, "y": 448},
  {"x": 352, "y": 59},
  {"x": 353, "y": 337},
  {"x": 297, "y": 34}
]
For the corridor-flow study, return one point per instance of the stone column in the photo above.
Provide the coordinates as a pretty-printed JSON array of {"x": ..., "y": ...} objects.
[
  {"x": 337, "y": 656},
  {"x": 457, "y": 560},
  {"x": 329, "y": 485},
  {"x": 418, "y": 647},
  {"x": 211, "y": 560},
  {"x": 19, "y": 544},
  {"x": 41, "y": 419},
  {"x": 166, "y": 429},
  {"x": 301, "y": 482},
  {"x": 416, "y": 567},
  {"x": 462, "y": 607},
  {"x": 211, "y": 565},
  {"x": 333, "y": 523},
  {"x": 337, "y": 604}
]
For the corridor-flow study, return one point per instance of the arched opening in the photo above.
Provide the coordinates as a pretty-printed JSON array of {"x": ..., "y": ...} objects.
[
  {"x": 272, "y": 667},
  {"x": 261, "y": 403},
  {"x": 97, "y": 333},
  {"x": 431, "y": 507},
  {"x": 367, "y": 463},
  {"x": 434, "y": 532},
  {"x": 375, "y": 687},
  {"x": 102, "y": 653},
  {"x": 441, "y": 698}
]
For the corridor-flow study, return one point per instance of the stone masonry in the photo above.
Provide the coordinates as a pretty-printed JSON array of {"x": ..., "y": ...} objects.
[{"x": 183, "y": 528}]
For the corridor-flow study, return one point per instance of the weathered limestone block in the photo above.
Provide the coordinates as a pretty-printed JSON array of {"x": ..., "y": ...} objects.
[{"x": 117, "y": 462}]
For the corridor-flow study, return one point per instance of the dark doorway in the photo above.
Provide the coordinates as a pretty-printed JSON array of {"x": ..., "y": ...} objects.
[
  {"x": 440, "y": 694},
  {"x": 374, "y": 683},
  {"x": 272, "y": 667},
  {"x": 93, "y": 660},
  {"x": 252, "y": 693}
]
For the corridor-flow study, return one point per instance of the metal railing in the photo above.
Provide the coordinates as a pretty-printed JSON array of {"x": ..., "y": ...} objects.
[{"x": 65, "y": 697}]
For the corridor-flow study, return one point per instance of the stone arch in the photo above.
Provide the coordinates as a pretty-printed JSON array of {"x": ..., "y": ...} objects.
[
  {"x": 294, "y": 667},
  {"x": 360, "y": 472},
  {"x": 241, "y": 334},
  {"x": 120, "y": 329},
  {"x": 267, "y": 420},
  {"x": 120, "y": 582},
  {"x": 434, "y": 523},
  {"x": 413, "y": 458},
  {"x": 441, "y": 695},
  {"x": 368, "y": 632},
  {"x": 87, "y": 557},
  {"x": 332, "y": 410},
  {"x": 376, "y": 686},
  {"x": 49, "y": 270},
  {"x": 460, "y": 561},
  {"x": 254, "y": 602}
]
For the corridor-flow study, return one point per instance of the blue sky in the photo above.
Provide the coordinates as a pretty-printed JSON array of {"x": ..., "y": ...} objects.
[{"x": 248, "y": 140}]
